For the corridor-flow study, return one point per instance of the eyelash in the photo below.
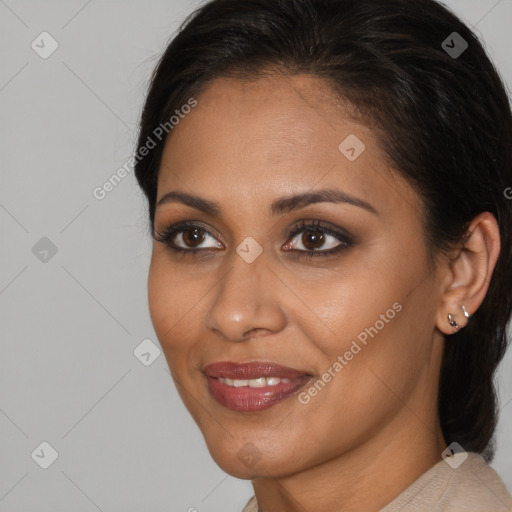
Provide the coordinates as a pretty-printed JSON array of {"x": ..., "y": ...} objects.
[{"x": 168, "y": 234}]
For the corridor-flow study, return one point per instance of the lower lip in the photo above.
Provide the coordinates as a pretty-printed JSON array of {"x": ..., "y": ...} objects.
[{"x": 246, "y": 399}]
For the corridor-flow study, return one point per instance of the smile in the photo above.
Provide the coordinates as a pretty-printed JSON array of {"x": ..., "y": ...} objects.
[
  {"x": 255, "y": 386},
  {"x": 260, "y": 382}
]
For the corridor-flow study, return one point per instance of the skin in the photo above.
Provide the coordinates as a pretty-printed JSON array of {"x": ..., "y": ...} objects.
[{"x": 373, "y": 429}]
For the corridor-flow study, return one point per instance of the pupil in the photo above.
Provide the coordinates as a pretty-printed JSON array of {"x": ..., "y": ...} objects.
[
  {"x": 193, "y": 237},
  {"x": 313, "y": 239}
]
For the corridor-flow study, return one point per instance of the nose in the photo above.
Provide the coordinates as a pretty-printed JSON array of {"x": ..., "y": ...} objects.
[{"x": 246, "y": 302}]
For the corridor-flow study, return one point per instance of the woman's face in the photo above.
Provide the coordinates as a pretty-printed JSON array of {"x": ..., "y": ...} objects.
[{"x": 305, "y": 252}]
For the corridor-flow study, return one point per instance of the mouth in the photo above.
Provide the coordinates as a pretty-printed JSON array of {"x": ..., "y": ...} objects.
[{"x": 255, "y": 386}]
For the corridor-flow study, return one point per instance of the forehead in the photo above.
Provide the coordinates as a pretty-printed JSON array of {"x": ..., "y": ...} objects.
[{"x": 271, "y": 136}]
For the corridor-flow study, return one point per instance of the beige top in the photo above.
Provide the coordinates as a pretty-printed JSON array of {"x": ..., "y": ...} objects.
[{"x": 472, "y": 486}]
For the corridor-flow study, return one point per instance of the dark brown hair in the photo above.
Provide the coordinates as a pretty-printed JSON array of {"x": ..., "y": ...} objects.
[{"x": 443, "y": 120}]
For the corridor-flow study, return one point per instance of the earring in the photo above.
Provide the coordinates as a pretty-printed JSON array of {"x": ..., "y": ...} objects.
[
  {"x": 466, "y": 314},
  {"x": 453, "y": 323}
]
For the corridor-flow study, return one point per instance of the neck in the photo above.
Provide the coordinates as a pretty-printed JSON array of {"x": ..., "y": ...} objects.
[{"x": 367, "y": 477}]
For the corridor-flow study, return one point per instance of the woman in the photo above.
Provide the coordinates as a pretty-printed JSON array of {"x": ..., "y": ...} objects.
[{"x": 330, "y": 278}]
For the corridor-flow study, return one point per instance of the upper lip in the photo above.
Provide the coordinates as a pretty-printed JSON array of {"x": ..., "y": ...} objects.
[{"x": 252, "y": 370}]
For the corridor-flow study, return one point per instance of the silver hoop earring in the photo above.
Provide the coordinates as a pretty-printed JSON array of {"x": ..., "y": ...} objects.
[{"x": 453, "y": 323}]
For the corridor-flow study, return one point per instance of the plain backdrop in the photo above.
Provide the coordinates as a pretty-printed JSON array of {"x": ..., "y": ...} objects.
[{"x": 73, "y": 301}]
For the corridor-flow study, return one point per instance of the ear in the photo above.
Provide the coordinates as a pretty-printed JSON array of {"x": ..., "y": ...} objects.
[{"x": 469, "y": 272}]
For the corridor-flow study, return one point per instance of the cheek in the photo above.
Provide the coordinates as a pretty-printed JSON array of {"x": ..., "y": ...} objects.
[
  {"x": 381, "y": 354},
  {"x": 161, "y": 299},
  {"x": 370, "y": 328},
  {"x": 353, "y": 306},
  {"x": 367, "y": 382},
  {"x": 173, "y": 303}
]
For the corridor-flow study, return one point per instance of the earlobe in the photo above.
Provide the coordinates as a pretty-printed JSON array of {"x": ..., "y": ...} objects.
[
  {"x": 453, "y": 323},
  {"x": 469, "y": 274}
]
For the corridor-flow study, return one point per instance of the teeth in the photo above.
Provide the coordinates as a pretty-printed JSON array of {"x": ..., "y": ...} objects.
[{"x": 260, "y": 382}]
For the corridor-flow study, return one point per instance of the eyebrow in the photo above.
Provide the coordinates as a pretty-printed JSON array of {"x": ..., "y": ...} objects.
[{"x": 279, "y": 206}]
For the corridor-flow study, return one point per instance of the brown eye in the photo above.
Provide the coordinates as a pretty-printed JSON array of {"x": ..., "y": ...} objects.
[
  {"x": 317, "y": 238},
  {"x": 193, "y": 237},
  {"x": 187, "y": 237},
  {"x": 313, "y": 239}
]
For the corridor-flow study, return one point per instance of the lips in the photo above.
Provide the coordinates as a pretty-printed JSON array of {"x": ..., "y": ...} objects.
[
  {"x": 255, "y": 386},
  {"x": 254, "y": 370}
]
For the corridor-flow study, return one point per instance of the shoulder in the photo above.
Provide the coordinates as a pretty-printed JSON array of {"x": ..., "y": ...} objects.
[
  {"x": 463, "y": 482},
  {"x": 251, "y": 506}
]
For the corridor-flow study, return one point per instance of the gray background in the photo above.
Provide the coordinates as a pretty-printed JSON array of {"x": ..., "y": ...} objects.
[{"x": 70, "y": 323}]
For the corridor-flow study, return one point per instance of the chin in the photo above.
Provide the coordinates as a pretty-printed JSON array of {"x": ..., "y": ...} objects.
[{"x": 248, "y": 460}]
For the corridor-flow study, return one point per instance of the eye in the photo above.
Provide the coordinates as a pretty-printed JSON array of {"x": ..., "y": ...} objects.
[
  {"x": 309, "y": 238},
  {"x": 313, "y": 238},
  {"x": 188, "y": 237}
]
